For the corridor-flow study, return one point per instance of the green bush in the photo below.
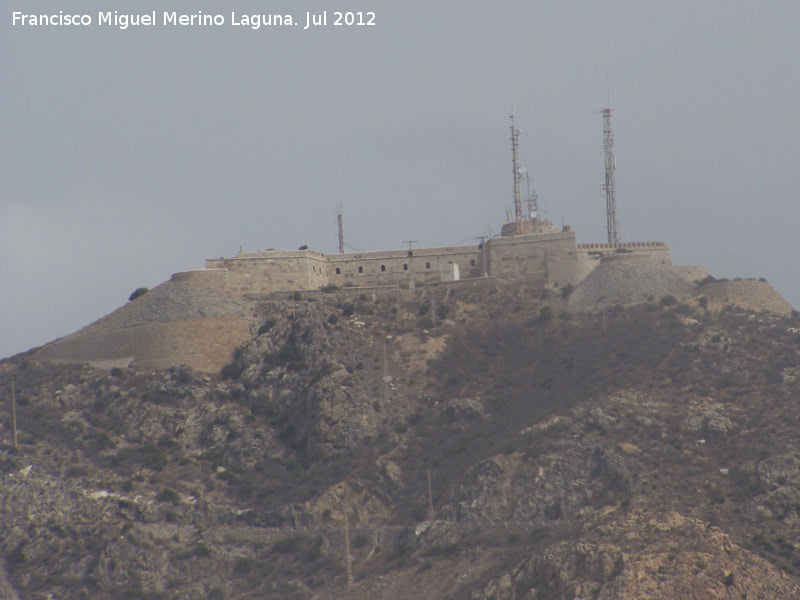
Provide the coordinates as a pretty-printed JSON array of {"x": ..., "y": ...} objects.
[
  {"x": 232, "y": 370},
  {"x": 138, "y": 292},
  {"x": 425, "y": 323},
  {"x": 668, "y": 301},
  {"x": 287, "y": 545},
  {"x": 348, "y": 309},
  {"x": 17, "y": 555},
  {"x": 333, "y": 319},
  {"x": 268, "y": 324},
  {"x": 243, "y": 564},
  {"x": 168, "y": 496},
  {"x": 329, "y": 289}
]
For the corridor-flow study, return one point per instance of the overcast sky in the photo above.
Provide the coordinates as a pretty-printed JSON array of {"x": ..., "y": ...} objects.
[{"x": 129, "y": 155}]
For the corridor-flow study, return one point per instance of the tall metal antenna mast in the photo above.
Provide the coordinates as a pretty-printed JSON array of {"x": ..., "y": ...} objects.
[
  {"x": 341, "y": 227},
  {"x": 518, "y": 171},
  {"x": 609, "y": 186}
]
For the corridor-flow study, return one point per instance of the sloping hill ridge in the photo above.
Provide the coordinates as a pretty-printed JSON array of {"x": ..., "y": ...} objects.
[{"x": 514, "y": 450}]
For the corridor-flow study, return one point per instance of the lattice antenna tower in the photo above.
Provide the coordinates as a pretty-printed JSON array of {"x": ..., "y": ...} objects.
[
  {"x": 609, "y": 186},
  {"x": 518, "y": 172},
  {"x": 341, "y": 227}
]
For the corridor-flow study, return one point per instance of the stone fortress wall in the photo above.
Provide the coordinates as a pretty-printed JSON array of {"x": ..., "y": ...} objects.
[{"x": 549, "y": 255}]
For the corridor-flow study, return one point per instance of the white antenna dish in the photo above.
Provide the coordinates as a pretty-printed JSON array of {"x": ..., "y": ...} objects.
[
  {"x": 521, "y": 170},
  {"x": 534, "y": 214}
]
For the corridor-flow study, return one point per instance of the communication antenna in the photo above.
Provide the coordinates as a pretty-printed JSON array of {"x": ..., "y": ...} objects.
[
  {"x": 611, "y": 166},
  {"x": 518, "y": 171},
  {"x": 533, "y": 199},
  {"x": 341, "y": 227}
]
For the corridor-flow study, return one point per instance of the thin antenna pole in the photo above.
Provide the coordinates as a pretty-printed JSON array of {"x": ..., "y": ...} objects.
[
  {"x": 341, "y": 227},
  {"x": 433, "y": 308},
  {"x": 533, "y": 199},
  {"x": 14, "y": 412}
]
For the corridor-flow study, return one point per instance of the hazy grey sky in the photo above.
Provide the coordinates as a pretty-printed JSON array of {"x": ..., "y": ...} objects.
[{"x": 129, "y": 155}]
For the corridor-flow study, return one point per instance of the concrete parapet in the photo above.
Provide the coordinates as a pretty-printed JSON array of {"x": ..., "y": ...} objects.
[
  {"x": 629, "y": 245},
  {"x": 626, "y": 256},
  {"x": 212, "y": 278}
]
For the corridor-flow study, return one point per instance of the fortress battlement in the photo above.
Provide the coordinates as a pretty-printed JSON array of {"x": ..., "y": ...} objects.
[{"x": 541, "y": 253}]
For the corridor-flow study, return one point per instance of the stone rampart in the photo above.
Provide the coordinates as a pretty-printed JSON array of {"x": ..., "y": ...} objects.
[
  {"x": 589, "y": 255},
  {"x": 549, "y": 257},
  {"x": 203, "y": 344},
  {"x": 395, "y": 267},
  {"x": 210, "y": 278},
  {"x": 744, "y": 293},
  {"x": 265, "y": 272}
]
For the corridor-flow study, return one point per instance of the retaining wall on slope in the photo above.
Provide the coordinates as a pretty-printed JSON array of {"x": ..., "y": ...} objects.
[{"x": 203, "y": 344}]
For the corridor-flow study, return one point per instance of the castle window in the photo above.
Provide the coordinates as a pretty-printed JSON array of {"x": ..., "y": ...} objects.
[
  {"x": 383, "y": 267},
  {"x": 405, "y": 267},
  {"x": 472, "y": 262},
  {"x": 427, "y": 265},
  {"x": 360, "y": 269},
  {"x": 338, "y": 271}
]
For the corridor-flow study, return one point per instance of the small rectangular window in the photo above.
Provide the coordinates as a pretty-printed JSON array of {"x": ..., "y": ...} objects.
[{"x": 405, "y": 267}]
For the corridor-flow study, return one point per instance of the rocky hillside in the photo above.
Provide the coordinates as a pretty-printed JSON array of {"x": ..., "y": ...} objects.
[{"x": 477, "y": 442}]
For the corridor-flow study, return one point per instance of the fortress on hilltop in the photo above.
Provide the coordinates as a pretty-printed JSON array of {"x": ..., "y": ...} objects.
[
  {"x": 536, "y": 251},
  {"x": 527, "y": 247},
  {"x": 199, "y": 317}
]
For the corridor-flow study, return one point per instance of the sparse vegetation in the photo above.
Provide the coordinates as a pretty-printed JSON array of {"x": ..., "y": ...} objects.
[{"x": 138, "y": 292}]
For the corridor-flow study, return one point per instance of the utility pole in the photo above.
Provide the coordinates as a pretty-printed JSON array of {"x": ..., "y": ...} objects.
[
  {"x": 348, "y": 558},
  {"x": 431, "y": 514},
  {"x": 433, "y": 308},
  {"x": 14, "y": 412},
  {"x": 291, "y": 293},
  {"x": 386, "y": 377}
]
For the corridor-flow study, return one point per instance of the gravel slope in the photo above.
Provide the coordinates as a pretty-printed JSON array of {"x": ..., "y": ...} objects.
[{"x": 628, "y": 282}]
